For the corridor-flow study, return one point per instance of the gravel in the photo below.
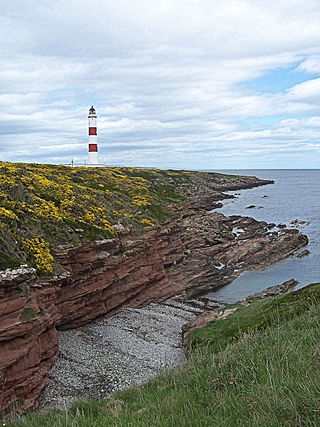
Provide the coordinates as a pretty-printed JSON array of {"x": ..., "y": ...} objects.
[{"x": 118, "y": 352}]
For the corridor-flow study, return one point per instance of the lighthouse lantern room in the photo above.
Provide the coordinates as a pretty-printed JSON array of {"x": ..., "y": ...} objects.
[{"x": 93, "y": 138}]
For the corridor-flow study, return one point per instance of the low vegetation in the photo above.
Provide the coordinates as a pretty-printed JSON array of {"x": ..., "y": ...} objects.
[
  {"x": 43, "y": 207},
  {"x": 259, "y": 367}
]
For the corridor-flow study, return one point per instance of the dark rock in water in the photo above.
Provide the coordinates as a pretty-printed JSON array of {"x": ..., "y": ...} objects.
[
  {"x": 297, "y": 222},
  {"x": 251, "y": 207},
  {"x": 303, "y": 253},
  {"x": 217, "y": 205},
  {"x": 281, "y": 226},
  {"x": 271, "y": 225}
]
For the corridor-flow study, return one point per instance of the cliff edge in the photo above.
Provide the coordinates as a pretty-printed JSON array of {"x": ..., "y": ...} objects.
[{"x": 186, "y": 250}]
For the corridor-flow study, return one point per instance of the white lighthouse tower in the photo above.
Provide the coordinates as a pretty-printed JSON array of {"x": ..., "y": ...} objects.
[{"x": 93, "y": 138}]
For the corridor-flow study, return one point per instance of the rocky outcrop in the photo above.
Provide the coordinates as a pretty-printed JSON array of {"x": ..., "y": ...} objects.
[
  {"x": 204, "y": 319},
  {"x": 189, "y": 254},
  {"x": 218, "y": 248},
  {"x": 303, "y": 253},
  {"x": 222, "y": 313},
  {"x": 272, "y": 291}
]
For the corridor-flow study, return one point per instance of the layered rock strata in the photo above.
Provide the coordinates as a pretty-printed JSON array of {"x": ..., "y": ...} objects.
[
  {"x": 191, "y": 253},
  {"x": 28, "y": 338}
]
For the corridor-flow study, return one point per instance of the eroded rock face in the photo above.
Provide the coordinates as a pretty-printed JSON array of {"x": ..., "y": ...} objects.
[
  {"x": 105, "y": 277},
  {"x": 28, "y": 338},
  {"x": 190, "y": 254}
]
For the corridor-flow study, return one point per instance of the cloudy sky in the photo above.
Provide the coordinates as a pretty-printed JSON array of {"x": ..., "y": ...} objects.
[{"x": 195, "y": 84}]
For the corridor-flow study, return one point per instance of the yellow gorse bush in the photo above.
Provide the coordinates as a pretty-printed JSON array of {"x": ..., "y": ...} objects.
[
  {"x": 73, "y": 205},
  {"x": 48, "y": 210},
  {"x": 140, "y": 201},
  {"x": 6, "y": 215},
  {"x": 145, "y": 221},
  {"x": 39, "y": 250}
]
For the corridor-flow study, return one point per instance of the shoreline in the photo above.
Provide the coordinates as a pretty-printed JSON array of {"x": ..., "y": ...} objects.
[
  {"x": 116, "y": 353},
  {"x": 142, "y": 358},
  {"x": 194, "y": 251}
]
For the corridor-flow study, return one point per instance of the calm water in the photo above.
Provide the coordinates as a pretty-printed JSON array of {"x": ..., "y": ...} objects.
[{"x": 295, "y": 195}]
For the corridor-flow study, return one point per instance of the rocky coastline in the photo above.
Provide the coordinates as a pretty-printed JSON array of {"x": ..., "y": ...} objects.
[
  {"x": 193, "y": 252},
  {"x": 132, "y": 346}
]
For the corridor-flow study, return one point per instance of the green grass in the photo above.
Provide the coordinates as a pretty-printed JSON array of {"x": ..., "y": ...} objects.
[
  {"x": 6, "y": 261},
  {"x": 257, "y": 316},
  {"x": 265, "y": 371},
  {"x": 28, "y": 314}
]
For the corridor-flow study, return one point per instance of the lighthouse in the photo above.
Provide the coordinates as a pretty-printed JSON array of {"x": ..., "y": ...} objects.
[{"x": 93, "y": 138}]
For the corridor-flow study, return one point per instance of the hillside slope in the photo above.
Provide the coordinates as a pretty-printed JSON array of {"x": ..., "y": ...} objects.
[
  {"x": 258, "y": 367},
  {"x": 46, "y": 208}
]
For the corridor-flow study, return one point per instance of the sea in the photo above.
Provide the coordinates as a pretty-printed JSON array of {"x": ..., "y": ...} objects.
[{"x": 295, "y": 195}]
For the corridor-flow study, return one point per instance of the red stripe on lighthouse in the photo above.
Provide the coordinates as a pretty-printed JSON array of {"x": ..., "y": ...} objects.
[
  {"x": 93, "y": 148},
  {"x": 92, "y": 131}
]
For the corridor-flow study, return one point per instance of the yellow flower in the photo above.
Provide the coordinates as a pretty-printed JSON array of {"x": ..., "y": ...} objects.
[
  {"x": 39, "y": 250},
  {"x": 140, "y": 201},
  {"x": 46, "y": 209},
  {"x": 5, "y": 214},
  {"x": 146, "y": 221}
]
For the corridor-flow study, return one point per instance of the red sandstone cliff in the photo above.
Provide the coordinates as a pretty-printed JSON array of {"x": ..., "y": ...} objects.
[
  {"x": 28, "y": 338},
  {"x": 192, "y": 253}
]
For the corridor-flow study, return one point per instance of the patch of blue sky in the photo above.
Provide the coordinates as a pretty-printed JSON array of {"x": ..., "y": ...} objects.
[
  {"x": 278, "y": 80},
  {"x": 259, "y": 123},
  {"x": 56, "y": 94},
  {"x": 264, "y": 121},
  {"x": 75, "y": 96}
]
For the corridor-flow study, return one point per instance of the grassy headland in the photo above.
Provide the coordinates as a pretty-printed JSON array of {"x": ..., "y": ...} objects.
[
  {"x": 43, "y": 207},
  {"x": 258, "y": 367}
]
